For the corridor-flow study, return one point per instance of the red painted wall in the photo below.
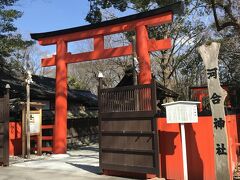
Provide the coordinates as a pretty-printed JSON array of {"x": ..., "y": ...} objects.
[
  {"x": 232, "y": 139},
  {"x": 199, "y": 93},
  {"x": 15, "y": 138},
  {"x": 200, "y": 148}
]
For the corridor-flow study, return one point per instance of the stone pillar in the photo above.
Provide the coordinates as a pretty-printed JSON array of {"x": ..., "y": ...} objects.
[{"x": 217, "y": 95}]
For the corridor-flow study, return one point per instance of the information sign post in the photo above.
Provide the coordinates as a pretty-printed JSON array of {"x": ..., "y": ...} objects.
[
  {"x": 182, "y": 112},
  {"x": 35, "y": 125}
]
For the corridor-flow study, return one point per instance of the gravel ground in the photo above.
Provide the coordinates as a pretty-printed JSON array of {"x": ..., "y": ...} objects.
[
  {"x": 76, "y": 164},
  {"x": 236, "y": 174}
]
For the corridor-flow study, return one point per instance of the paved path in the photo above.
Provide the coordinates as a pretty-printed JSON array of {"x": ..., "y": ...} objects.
[
  {"x": 23, "y": 173},
  {"x": 76, "y": 164}
]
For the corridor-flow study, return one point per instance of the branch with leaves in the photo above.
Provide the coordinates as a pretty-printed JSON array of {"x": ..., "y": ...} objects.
[{"x": 231, "y": 10}]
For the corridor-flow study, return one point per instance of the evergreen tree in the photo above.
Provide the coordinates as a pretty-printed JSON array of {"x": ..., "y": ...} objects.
[{"x": 10, "y": 41}]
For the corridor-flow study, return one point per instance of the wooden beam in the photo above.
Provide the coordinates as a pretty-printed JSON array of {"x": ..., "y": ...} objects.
[
  {"x": 157, "y": 45},
  {"x": 100, "y": 53},
  {"x": 112, "y": 29},
  {"x": 46, "y": 62},
  {"x": 99, "y": 43}
]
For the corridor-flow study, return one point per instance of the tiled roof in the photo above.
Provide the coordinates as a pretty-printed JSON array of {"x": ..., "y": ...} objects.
[{"x": 43, "y": 88}]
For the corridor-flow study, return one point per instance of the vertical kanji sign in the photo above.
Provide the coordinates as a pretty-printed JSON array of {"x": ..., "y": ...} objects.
[{"x": 217, "y": 95}]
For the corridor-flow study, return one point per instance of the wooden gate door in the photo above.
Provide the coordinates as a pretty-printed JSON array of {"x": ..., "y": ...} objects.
[
  {"x": 128, "y": 129},
  {"x": 4, "y": 130}
]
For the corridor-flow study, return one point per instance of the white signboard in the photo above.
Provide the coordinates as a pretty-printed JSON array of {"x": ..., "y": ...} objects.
[
  {"x": 181, "y": 112},
  {"x": 35, "y": 122}
]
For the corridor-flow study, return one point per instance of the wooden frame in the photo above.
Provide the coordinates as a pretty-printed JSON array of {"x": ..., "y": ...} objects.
[
  {"x": 122, "y": 135},
  {"x": 4, "y": 129},
  {"x": 32, "y": 135}
]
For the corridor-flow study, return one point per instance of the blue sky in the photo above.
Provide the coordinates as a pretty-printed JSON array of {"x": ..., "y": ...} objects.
[{"x": 49, "y": 15}]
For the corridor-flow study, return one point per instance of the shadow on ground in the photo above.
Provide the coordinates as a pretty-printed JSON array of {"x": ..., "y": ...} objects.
[
  {"x": 84, "y": 156},
  {"x": 89, "y": 168},
  {"x": 89, "y": 148}
]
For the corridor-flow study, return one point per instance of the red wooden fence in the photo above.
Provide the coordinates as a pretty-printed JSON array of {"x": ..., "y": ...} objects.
[
  {"x": 200, "y": 148},
  {"x": 15, "y": 138}
]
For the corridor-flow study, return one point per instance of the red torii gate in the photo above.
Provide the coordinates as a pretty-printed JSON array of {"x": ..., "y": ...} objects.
[{"x": 144, "y": 45}]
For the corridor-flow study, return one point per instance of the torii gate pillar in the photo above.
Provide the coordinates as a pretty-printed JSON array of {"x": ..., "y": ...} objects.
[
  {"x": 143, "y": 55},
  {"x": 60, "y": 125}
]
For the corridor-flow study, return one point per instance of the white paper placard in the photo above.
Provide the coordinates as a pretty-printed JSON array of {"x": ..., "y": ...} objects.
[
  {"x": 181, "y": 112},
  {"x": 35, "y": 123}
]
